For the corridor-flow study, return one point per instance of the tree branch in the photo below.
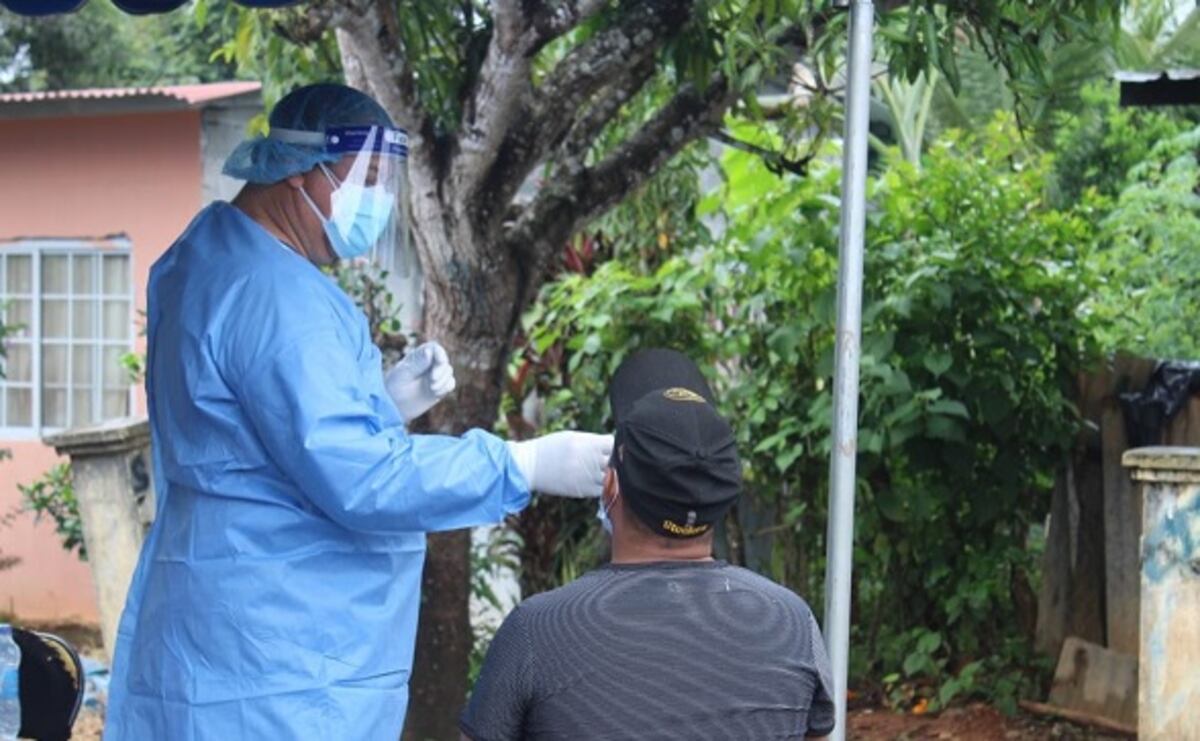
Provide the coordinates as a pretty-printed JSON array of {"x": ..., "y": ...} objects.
[
  {"x": 499, "y": 188},
  {"x": 574, "y": 194},
  {"x": 606, "y": 70},
  {"x": 381, "y": 62},
  {"x": 502, "y": 101},
  {"x": 507, "y": 23},
  {"x": 777, "y": 162},
  {"x": 607, "y": 104},
  {"x": 637, "y": 36},
  {"x": 551, "y": 22},
  {"x": 502, "y": 87},
  {"x": 352, "y": 68},
  {"x": 307, "y": 25}
]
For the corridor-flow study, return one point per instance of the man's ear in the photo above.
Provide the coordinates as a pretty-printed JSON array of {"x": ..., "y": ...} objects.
[
  {"x": 295, "y": 181},
  {"x": 611, "y": 490}
]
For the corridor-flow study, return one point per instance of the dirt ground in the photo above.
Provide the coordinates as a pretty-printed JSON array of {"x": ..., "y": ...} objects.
[
  {"x": 88, "y": 727},
  {"x": 977, "y": 722}
]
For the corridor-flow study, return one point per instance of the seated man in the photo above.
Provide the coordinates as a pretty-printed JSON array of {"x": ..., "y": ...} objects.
[{"x": 664, "y": 642}]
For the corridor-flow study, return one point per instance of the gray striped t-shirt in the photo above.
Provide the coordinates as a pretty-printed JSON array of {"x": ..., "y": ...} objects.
[{"x": 669, "y": 650}]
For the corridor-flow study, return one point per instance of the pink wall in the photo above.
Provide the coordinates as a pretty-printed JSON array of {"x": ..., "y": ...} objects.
[
  {"x": 48, "y": 583},
  {"x": 85, "y": 177}
]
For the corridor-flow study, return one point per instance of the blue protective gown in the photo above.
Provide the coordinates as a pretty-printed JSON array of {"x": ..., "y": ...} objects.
[{"x": 276, "y": 596}]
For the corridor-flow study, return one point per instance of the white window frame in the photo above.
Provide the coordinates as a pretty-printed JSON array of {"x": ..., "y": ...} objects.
[{"x": 36, "y": 249}]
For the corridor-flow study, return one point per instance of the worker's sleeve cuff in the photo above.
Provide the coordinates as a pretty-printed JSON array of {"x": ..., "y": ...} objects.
[{"x": 515, "y": 488}]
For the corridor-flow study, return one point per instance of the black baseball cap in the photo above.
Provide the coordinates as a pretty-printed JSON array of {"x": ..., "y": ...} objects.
[{"x": 675, "y": 457}]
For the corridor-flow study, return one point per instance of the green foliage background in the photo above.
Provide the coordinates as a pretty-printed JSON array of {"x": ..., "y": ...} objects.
[
  {"x": 973, "y": 333},
  {"x": 1002, "y": 261},
  {"x": 1150, "y": 256},
  {"x": 102, "y": 46}
]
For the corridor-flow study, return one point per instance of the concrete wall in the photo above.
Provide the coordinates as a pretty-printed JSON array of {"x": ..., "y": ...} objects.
[
  {"x": 1168, "y": 480},
  {"x": 140, "y": 175}
]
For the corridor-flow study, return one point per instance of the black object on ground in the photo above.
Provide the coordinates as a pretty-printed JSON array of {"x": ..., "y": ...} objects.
[
  {"x": 1148, "y": 412},
  {"x": 51, "y": 685}
]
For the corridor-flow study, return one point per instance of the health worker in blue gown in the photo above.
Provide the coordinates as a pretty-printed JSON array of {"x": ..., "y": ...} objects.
[{"x": 277, "y": 592}]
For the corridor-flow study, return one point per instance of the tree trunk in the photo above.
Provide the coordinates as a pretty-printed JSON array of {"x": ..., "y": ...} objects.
[
  {"x": 438, "y": 685},
  {"x": 470, "y": 305},
  {"x": 484, "y": 255}
]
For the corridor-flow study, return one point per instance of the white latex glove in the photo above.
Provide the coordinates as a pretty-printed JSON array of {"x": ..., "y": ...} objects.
[
  {"x": 420, "y": 380},
  {"x": 565, "y": 464}
]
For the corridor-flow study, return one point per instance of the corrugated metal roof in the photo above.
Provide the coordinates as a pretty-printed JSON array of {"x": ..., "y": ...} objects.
[
  {"x": 1169, "y": 74},
  {"x": 189, "y": 95},
  {"x": 108, "y": 241}
]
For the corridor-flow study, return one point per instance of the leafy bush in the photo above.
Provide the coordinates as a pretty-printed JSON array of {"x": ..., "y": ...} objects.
[
  {"x": 53, "y": 496},
  {"x": 1096, "y": 149},
  {"x": 1150, "y": 256},
  {"x": 972, "y": 337},
  {"x": 368, "y": 287}
]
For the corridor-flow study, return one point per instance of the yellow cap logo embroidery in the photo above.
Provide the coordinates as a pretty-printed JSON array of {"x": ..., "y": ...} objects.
[
  {"x": 686, "y": 531},
  {"x": 682, "y": 394}
]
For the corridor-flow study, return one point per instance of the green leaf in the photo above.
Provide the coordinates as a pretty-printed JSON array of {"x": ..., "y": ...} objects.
[
  {"x": 929, "y": 642},
  {"x": 915, "y": 663},
  {"x": 543, "y": 340},
  {"x": 949, "y": 407},
  {"x": 945, "y": 428},
  {"x": 871, "y": 441},
  {"x": 937, "y": 362},
  {"x": 785, "y": 460},
  {"x": 949, "y": 690},
  {"x": 243, "y": 38},
  {"x": 891, "y": 505}
]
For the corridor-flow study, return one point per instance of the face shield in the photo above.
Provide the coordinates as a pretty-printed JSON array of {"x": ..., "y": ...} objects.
[{"x": 368, "y": 174}]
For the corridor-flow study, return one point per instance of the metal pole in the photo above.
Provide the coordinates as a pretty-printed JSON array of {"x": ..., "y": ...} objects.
[{"x": 840, "y": 542}]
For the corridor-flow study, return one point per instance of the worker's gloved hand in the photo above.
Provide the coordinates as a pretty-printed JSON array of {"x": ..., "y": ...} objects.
[
  {"x": 565, "y": 464},
  {"x": 420, "y": 380}
]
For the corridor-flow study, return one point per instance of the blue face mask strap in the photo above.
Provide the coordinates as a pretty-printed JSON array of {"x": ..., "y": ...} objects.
[
  {"x": 602, "y": 514},
  {"x": 313, "y": 205},
  {"x": 333, "y": 180}
]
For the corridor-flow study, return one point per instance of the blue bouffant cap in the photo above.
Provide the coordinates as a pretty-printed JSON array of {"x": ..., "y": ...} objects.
[{"x": 312, "y": 108}]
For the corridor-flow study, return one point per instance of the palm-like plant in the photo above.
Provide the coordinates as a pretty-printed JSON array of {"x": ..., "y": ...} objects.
[
  {"x": 909, "y": 105},
  {"x": 1158, "y": 34}
]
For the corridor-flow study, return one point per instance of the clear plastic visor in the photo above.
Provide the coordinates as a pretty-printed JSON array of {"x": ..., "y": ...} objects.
[{"x": 370, "y": 198}]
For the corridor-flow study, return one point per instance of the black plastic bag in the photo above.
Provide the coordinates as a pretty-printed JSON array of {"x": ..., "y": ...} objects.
[{"x": 1148, "y": 412}]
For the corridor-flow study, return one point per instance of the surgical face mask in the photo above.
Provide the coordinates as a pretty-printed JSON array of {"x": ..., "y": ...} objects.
[
  {"x": 602, "y": 515},
  {"x": 359, "y": 215}
]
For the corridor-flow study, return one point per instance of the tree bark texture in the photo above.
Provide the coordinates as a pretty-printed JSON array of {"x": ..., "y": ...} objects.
[
  {"x": 438, "y": 685},
  {"x": 444, "y": 640}
]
